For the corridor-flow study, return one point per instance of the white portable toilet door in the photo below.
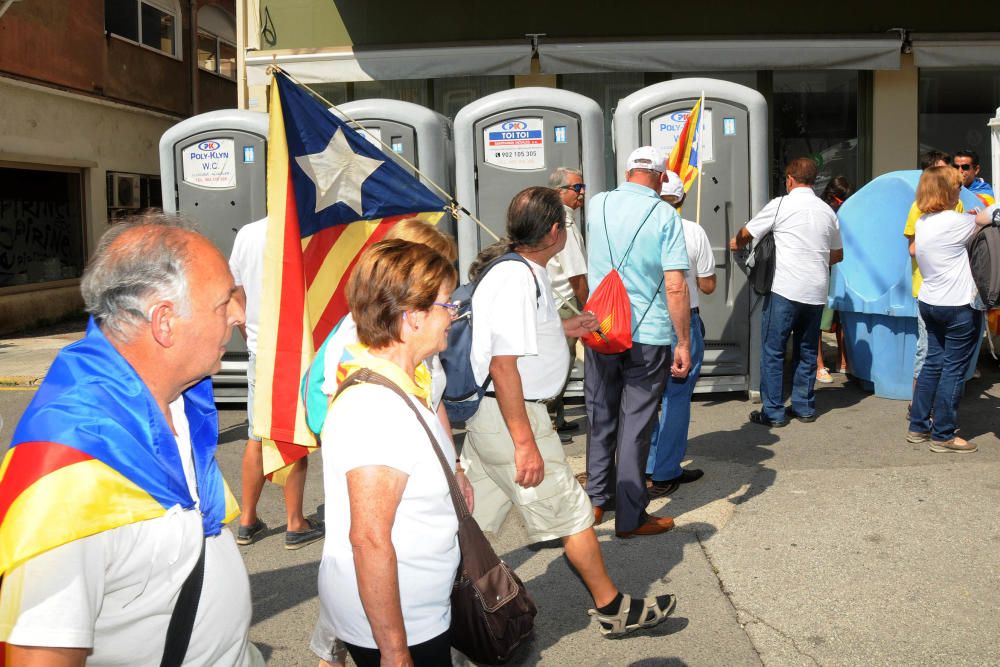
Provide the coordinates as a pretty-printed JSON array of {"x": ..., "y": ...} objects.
[
  {"x": 399, "y": 139},
  {"x": 221, "y": 180},
  {"x": 725, "y": 207},
  {"x": 516, "y": 149}
]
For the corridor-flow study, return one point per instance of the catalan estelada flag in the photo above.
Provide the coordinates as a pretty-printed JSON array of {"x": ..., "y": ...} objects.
[
  {"x": 93, "y": 452},
  {"x": 982, "y": 189},
  {"x": 331, "y": 194},
  {"x": 684, "y": 160}
]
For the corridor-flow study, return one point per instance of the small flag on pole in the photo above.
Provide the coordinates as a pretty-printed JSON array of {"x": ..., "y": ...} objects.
[{"x": 684, "y": 159}]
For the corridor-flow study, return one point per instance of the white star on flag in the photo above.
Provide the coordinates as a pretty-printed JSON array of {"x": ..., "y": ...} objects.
[{"x": 338, "y": 173}]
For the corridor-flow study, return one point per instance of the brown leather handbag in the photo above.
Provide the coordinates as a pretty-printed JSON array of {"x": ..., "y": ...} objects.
[{"x": 491, "y": 611}]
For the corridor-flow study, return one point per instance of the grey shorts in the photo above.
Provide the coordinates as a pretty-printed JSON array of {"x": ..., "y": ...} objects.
[{"x": 558, "y": 507}]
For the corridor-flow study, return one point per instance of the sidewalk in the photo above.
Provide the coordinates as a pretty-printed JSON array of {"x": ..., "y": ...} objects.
[
  {"x": 25, "y": 361},
  {"x": 832, "y": 543}
]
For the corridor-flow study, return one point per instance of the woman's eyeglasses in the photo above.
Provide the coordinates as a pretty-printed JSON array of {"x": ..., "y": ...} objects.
[
  {"x": 452, "y": 308},
  {"x": 576, "y": 187}
]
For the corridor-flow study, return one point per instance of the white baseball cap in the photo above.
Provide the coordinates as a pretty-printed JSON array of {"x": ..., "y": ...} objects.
[
  {"x": 645, "y": 157},
  {"x": 672, "y": 185}
]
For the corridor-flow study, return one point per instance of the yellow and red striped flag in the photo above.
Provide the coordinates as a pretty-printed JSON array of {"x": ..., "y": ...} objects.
[
  {"x": 684, "y": 159},
  {"x": 330, "y": 194}
]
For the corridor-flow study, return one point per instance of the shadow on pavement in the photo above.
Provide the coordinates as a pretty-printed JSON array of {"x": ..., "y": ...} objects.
[
  {"x": 638, "y": 567},
  {"x": 274, "y": 591}
]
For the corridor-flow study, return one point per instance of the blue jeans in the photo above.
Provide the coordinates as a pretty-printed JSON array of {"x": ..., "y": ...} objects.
[
  {"x": 952, "y": 335},
  {"x": 670, "y": 434},
  {"x": 783, "y": 317}
]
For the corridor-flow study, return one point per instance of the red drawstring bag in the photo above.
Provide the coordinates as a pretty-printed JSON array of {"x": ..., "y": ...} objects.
[
  {"x": 611, "y": 305},
  {"x": 609, "y": 302}
]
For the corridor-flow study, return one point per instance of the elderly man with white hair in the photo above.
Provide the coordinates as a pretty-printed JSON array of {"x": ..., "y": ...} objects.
[
  {"x": 633, "y": 232},
  {"x": 112, "y": 542}
]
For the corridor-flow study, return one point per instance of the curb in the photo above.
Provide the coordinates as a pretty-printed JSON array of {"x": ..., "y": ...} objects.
[{"x": 20, "y": 380}]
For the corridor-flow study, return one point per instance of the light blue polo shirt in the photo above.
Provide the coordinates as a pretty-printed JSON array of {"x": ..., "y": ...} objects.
[{"x": 659, "y": 246}]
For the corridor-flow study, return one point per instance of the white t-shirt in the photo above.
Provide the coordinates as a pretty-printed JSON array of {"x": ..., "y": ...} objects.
[
  {"x": 347, "y": 334},
  {"x": 370, "y": 426},
  {"x": 805, "y": 231},
  {"x": 115, "y": 591},
  {"x": 508, "y": 320},
  {"x": 247, "y": 266},
  {"x": 701, "y": 261},
  {"x": 943, "y": 258},
  {"x": 570, "y": 261}
]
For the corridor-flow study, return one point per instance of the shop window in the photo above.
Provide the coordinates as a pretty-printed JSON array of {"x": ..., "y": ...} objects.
[
  {"x": 217, "y": 41},
  {"x": 747, "y": 78},
  {"x": 406, "y": 90},
  {"x": 334, "y": 93},
  {"x": 129, "y": 194},
  {"x": 955, "y": 106},
  {"x": 606, "y": 90},
  {"x": 152, "y": 23},
  {"x": 41, "y": 226},
  {"x": 451, "y": 94},
  {"x": 815, "y": 115}
]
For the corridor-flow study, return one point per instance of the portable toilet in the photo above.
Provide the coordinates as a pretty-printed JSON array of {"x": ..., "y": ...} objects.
[
  {"x": 515, "y": 139},
  {"x": 871, "y": 288},
  {"x": 213, "y": 170},
  {"x": 407, "y": 130},
  {"x": 734, "y": 175}
]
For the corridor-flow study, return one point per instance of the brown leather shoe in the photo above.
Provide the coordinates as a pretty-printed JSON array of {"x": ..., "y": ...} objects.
[
  {"x": 598, "y": 515},
  {"x": 654, "y": 525}
]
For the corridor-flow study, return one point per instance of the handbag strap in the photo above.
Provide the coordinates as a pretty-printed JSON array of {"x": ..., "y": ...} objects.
[
  {"x": 781, "y": 200},
  {"x": 182, "y": 618},
  {"x": 368, "y": 376}
]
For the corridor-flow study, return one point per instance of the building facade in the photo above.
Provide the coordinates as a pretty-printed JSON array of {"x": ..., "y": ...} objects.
[
  {"x": 862, "y": 87},
  {"x": 87, "y": 89}
]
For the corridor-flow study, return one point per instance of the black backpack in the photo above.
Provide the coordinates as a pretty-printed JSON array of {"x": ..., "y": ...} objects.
[
  {"x": 462, "y": 393},
  {"x": 984, "y": 260}
]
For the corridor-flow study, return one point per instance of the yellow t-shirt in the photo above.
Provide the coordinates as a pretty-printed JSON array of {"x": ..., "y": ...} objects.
[{"x": 910, "y": 231}]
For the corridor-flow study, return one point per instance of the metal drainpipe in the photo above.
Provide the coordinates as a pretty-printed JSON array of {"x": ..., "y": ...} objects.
[{"x": 193, "y": 21}]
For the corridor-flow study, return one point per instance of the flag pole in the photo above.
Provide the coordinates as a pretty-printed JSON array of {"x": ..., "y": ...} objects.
[{"x": 701, "y": 160}]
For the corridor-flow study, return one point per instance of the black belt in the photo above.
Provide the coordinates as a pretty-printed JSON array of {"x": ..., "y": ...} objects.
[
  {"x": 493, "y": 394},
  {"x": 695, "y": 311}
]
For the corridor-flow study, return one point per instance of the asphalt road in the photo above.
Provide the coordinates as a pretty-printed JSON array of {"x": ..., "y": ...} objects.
[{"x": 832, "y": 543}]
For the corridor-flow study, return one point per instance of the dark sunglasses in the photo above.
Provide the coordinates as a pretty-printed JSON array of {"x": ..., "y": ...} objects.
[
  {"x": 963, "y": 167},
  {"x": 576, "y": 187}
]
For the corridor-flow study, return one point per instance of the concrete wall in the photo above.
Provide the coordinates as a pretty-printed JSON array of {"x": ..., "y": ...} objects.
[
  {"x": 42, "y": 126},
  {"x": 894, "y": 118}
]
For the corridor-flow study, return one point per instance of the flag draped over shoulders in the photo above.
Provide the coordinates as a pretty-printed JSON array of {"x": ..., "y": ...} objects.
[
  {"x": 684, "y": 159},
  {"x": 331, "y": 194},
  {"x": 93, "y": 452}
]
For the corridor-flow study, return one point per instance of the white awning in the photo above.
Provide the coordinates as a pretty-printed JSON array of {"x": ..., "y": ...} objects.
[
  {"x": 346, "y": 64},
  {"x": 707, "y": 55},
  {"x": 972, "y": 50}
]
